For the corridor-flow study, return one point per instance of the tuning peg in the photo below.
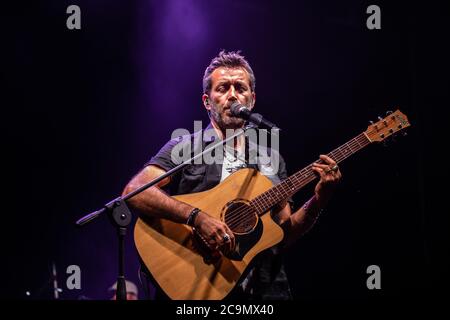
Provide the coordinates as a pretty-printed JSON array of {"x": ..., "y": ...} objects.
[
  {"x": 388, "y": 113},
  {"x": 384, "y": 121},
  {"x": 374, "y": 125}
]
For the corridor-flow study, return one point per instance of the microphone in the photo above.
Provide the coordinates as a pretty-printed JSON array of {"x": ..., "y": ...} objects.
[{"x": 241, "y": 111}]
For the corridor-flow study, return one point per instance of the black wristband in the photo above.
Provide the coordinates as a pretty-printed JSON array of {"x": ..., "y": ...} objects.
[{"x": 191, "y": 219}]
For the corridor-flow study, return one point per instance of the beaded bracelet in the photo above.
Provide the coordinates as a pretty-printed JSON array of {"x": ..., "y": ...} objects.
[{"x": 191, "y": 219}]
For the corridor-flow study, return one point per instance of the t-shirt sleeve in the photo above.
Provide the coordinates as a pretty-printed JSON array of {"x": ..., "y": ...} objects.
[{"x": 170, "y": 155}]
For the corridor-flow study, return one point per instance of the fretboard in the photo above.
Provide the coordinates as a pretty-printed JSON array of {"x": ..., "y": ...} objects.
[{"x": 288, "y": 187}]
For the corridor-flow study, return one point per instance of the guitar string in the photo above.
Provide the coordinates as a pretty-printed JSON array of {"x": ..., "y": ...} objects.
[
  {"x": 359, "y": 142},
  {"x": 261, "y": 208},
  {"x": 306, "y": 174},
  {"x": 259, "y": 201},
  {"x": 245, "y": 216}
]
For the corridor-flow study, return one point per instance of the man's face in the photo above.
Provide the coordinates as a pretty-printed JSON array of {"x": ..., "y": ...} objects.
[{"x": 227, "y": 86}]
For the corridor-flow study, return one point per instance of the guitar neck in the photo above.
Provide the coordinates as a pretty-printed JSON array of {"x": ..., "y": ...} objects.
[{"x": 288, "y": 187}]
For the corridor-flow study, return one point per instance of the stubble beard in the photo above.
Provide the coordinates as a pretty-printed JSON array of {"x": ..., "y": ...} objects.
[{"x": 224, "y": 121}]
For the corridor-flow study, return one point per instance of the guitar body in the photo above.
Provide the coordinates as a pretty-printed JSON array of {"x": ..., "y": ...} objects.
[{"x": 171, "y": 252}]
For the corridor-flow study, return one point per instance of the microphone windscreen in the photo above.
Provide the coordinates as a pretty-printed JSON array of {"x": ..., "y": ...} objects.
[{"x": 235, "y": 108}]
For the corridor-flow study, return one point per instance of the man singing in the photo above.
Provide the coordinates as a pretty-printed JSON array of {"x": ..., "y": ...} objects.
[{"x": 228, "y": 79}]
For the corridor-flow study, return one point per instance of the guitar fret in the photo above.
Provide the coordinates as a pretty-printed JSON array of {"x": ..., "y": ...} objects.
[
  {"x": 257, "y": 205},
  {"x": 267, "y": 199},
  {"x": 350, "y": 147},
  {"x": 354, "y": 146},
  {"x": 345, "y": 150},
  {"x": 337, "y": 156},
  {"x": 343, "y": 155}
]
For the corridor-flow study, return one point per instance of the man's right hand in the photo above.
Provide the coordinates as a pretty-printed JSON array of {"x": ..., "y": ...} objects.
[{"x": 213, "y": 231}]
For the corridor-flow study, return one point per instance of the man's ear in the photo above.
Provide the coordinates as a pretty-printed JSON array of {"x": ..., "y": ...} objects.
[{"x": 206, "y": 102}]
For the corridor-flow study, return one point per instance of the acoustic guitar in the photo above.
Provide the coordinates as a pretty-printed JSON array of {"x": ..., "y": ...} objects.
[{"x": 187, "y": 269}]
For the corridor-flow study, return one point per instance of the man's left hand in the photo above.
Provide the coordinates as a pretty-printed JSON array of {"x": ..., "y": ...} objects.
[{"x": 330, "y": 176}]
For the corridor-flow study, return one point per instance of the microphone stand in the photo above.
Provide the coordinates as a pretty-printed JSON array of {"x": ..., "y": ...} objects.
[
  {"x": 120, "y": 215},
  {"x": 55, "y": 282}
]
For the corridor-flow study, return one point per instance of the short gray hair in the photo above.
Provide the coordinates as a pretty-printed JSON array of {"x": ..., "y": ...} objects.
[{"x": 232, "y": 59}]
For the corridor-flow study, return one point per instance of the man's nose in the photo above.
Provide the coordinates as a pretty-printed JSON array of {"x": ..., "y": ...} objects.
[{"x": 232, "y": 93}]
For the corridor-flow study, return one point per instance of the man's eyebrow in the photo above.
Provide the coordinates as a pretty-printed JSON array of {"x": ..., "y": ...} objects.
[
  {"x": 240, "y": 82},
  {"x": 222, "y": 82}
]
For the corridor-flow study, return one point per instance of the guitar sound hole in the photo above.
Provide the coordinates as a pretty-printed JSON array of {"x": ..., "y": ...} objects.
[{"x": 240, "y": 217}]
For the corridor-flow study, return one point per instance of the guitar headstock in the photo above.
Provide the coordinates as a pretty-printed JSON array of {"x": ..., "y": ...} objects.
[{"x": 387, "y": 126}]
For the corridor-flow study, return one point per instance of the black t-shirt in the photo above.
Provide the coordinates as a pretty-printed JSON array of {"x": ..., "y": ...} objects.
[{"x": 267, "y": 279}]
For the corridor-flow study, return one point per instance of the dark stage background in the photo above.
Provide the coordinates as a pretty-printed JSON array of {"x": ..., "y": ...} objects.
[{"x": 83, "y": 110}]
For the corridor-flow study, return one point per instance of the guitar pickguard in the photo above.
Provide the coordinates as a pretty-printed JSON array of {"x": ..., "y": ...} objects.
[{"x": 244, "y": 242}]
